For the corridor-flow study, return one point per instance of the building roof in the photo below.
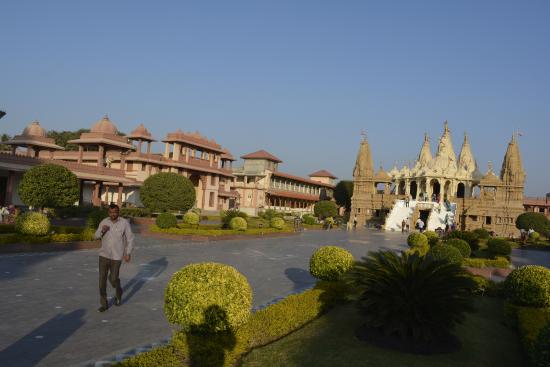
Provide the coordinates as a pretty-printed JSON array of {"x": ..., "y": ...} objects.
[
  {"x": 322, "y": 173},
  {"x": 103, "y": 132},
  {"x": 262, "y": 154},
  {"x": 34, "y": 135},
  {"x": 536, "y": 201},
  {"x": 227, "y": 155},
  {"x": 193, "y": 139},
  {"x": 104, "y": 126},
  {"x": 301, "y": 179},
  {"x": 142, "y": 133}
]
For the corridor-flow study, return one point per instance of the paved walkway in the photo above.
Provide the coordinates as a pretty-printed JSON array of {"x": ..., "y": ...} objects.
[{"x": 49, "y": 299}]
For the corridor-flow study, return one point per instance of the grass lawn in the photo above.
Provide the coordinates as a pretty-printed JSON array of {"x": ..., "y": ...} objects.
[{"x": 330, "y": 341}]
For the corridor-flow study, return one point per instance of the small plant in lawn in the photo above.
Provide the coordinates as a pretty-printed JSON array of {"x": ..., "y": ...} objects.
[
  {"x": 166, "y": 220},
  {"x": 238, "y": 224},
  {"x": 191, "y": 218},
  {"x": 32, "y": 223},
  {"x": 277, "y": 223},
  {"x": 330, "y": 263}
]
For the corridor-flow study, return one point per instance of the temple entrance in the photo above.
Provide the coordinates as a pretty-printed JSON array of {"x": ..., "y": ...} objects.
[
  {"x": 402, "y": 189},
  {"x": 414, "y": 189},
  {"x": 461, "y": 191},
  {"x": 424, "y": 214}
]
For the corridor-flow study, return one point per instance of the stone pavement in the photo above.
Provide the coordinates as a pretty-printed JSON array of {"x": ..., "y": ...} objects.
[{"x": 49, "y": 303}]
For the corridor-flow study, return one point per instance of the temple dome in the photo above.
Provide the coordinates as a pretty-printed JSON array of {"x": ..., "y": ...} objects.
[
  {"x": 104, "y": 126},
  {"x": 34, "y": 129}
]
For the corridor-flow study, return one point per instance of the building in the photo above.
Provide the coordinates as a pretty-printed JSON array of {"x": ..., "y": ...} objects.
[
  {"x": 262, "y": 186},
  {"x": 111, "y": 167},
  {"x": 538, "y": 205},
  {"x": 441, "y": 190}
]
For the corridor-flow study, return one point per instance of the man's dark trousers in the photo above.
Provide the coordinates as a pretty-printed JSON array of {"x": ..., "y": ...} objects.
[{"x": 108, "y": 269}]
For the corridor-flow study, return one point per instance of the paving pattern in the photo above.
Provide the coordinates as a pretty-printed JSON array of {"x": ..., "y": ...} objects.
[{"x": 49, "y": 300}]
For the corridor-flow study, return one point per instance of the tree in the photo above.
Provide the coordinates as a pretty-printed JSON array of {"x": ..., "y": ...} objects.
[
  {"x": 324, "y": 209},
  {"x": 343, "y": 193},
  {"x": 49, "y": 185},
  {"x": 4, "y": 138},
  {"x": 168, "y": 191},
  {"x": 535, "y": 221},
  {"x": 62, "y": 137}
]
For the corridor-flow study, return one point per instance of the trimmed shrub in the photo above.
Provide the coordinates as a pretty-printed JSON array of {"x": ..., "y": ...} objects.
[
  {"x": 481, "y": 284},
  {"x": 228, "y": 215},
  {"x": 191, "y": 218},
  {"x": 534, "y": 237},
  {"x": 32, "y": 223},
  {"x": 324, "y": 209},
  {"x": 445, "y": 253},
  {"x": 95, "y": 217},
  {"x": 499, "y": 262},
  {"x": 461, "y": 245},
  {"x": 277, "y": 223},
  {"x": 531, "y": 322},
  {"x": 417, "y": 239},
  {"x": 536, "y": 221},
  {"x": 166, "y": 220},
  {"x": 309, "y": 220},
  {"x": 197, "y": 211},
  {"x": 482, "y": 233},
  {"x": 433, "y": 238},
  {"x": 238, "y": 224},
  {"x": 193, "y": 290},
  {"x": 167, "y": 191},
  {"x": 269, "y": 214},
  {"x": 499, "y": 246},
  {"x": 330, "y": 263},
  {"x": 471, "y": 237},
  {"x": 135, "y": 212},
  {"x": 529, "y": 286},
  {"x": 49, "y": 185},
  {"x": 408, "y": 297},
  {"x": 541, "y": 348}
]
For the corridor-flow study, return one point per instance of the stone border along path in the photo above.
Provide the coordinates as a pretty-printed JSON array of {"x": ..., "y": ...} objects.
[{"x": 50, "y": 299}]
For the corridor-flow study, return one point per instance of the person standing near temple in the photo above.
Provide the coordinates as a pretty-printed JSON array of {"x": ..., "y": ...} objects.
[{"x": 117, "y": 242}]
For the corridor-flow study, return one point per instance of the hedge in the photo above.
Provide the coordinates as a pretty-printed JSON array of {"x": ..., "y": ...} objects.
[
  {"x": 263, "y": 327},
  {"x": 531, "y": 321},
  {"x": 499, "y": 262},
  {"x": 166, "y": 220}
]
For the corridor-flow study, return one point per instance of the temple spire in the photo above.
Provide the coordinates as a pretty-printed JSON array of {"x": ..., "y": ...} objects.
[
  {"x": 425, "y": 156},
  {"x": 466, "y": 160},
  {"x": 512, "y": 167},
  {"x": 445, "y": 158},
  {"x": 364, "y": 166}
]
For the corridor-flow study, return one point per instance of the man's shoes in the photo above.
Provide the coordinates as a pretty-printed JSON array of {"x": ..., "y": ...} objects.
[
  {"x": 102, "y": 309},
  {"x": 118, "y": 301}
]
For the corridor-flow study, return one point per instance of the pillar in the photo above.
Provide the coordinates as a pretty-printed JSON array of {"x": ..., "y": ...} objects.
[
  {"x": 101, "y": 156},
  {"x": 211, "y": 158},
  {"x": 407, "y": 187},
  {"x": 13, "y": 149},
  {"x": 177, "y": 151},
  {"x": 51, "y": 154},
  {"x": 187, "y": 154},
  {"x": 80, "y": 153},
  {"x": 123, "y": 161},
  {"x": 119, "y": 197},
  {"x": 139, "y": 146},
  {"x": 167, "y": 150},
  {"x": 9, "y": 188},
  {"x": 107, "y": 201},
  {"x": 148, "y": 147},
  {"x": 97, "y": 191},
  {"x": 80, "y": 192}
]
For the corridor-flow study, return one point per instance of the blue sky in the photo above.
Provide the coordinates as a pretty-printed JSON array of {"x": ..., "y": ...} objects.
[{"x": 298, "y": 78}]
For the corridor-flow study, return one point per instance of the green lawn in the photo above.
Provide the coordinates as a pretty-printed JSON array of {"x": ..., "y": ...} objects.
[{"x": 330, "y": 341}]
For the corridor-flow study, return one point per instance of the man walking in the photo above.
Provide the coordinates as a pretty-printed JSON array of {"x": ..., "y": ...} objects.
[{"x": 117, "y": 242}]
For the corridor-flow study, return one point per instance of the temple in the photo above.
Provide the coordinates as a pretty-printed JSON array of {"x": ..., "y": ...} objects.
[{"x": 442, "y": 190}]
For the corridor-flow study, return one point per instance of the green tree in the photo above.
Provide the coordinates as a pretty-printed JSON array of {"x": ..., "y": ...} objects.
[
  {"x": 535, "y": 221},
  {"x": 62, "y": 137},
  {"x": 4, "y": 138},
  {"x": 168, "y": 191},
  {"x": 343, "y": 193},
  {"x": 49, "y": 185},
  {"x": 324, "y": 209}
]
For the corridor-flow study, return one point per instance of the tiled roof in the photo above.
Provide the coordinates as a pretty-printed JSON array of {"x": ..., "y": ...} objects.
[
  {"x": 300, "y": 179},
  {"x": 262, "y": 154},
  {"x": 293, "y": 195},
  {"x": 322, "y": 173}
]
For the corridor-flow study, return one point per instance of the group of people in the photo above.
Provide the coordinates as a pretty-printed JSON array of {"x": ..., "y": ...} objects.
[
  {"x": 352, "y": 224},
  {"x": 525, "y": 234}
]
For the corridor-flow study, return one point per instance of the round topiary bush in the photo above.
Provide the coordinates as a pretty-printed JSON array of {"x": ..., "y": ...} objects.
[
  {"x": 433, "y": 238},
  {"x": 461, "y": 245},
  {"x": 330, "y": 263},
  {"x": 309, "y": 220},
  {"x": 49, "y": 185},
  {"x": 536, "y": 221},
  {"x": 238, "y": 224},
  {"x": 471, "y": 237},
  {"x": 541, "y": 348},
  {"x": 191, "y": 218},
  {"x": 417, "y": 239},
  {"x": 32, "y": 223},
  {"x": 529, "y": 286},
  {"x": 325, "y": 208},
  {"x": 445, "y": 253},
  {"x": 167, "y": 191},
  {"x": 482, "y": 233},
  {"x": 166, "y": 220},
  {"x": 499, "y": 246},
  {"x": 208, "y": 297},
  {"x": 277, "y": 223},
  {"x": 534, "y": 237}
]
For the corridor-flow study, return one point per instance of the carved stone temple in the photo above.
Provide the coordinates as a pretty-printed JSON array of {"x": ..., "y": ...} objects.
[{"x": 442, "y": 190}]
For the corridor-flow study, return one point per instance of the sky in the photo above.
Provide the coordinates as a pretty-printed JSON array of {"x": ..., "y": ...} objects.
[{"x": 300, "y": 79}]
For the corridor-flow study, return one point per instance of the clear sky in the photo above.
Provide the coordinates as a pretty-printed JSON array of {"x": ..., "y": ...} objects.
[{"x": 298, "y": 78}]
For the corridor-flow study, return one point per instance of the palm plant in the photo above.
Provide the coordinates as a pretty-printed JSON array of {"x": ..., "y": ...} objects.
[{"x": 410, "y": 297}]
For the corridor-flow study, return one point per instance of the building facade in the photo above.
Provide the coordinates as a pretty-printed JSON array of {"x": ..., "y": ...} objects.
[
  {"x": 111, "y": 167},
  {"x": 261, "y": 185},
  {"x": 441, "y": 190}
]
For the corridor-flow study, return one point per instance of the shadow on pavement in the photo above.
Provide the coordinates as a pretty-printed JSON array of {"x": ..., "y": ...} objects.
[
  {"x": 36, "y": 345},
  {"x": 300, "y": 277},
  {"x": 149, "y": 271}
]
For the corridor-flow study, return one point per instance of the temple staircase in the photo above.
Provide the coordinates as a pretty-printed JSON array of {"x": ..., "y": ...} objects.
[
  {"x": 398, "y": 213},
  {"x": 440, "y": 215}
]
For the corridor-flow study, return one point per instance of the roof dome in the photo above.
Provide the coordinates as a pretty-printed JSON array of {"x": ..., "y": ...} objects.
[
  {"x": 104, "y": 126},
  {"x": 34, "y": 129},
  {"x": 141, "y": 130}
]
